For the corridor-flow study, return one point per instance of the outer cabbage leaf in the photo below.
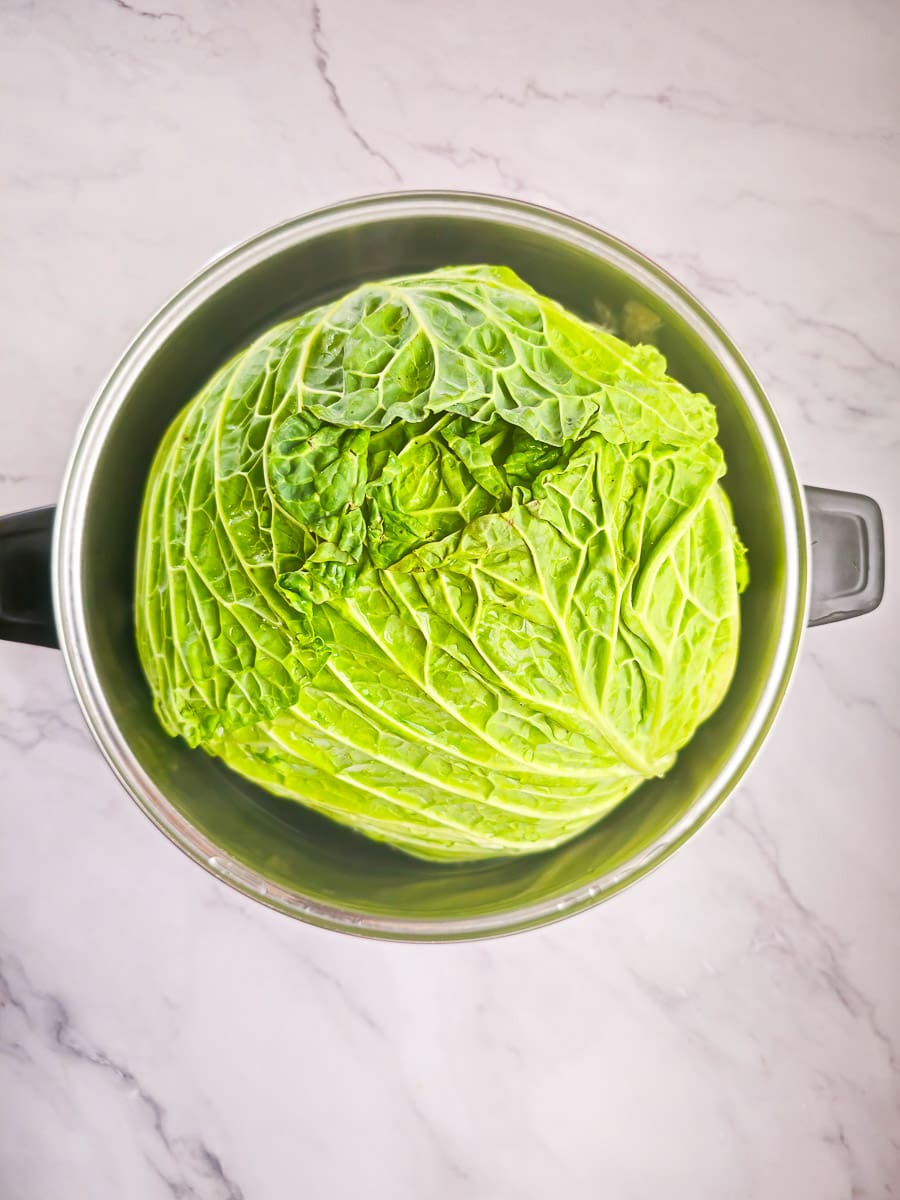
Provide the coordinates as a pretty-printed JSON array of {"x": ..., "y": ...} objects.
[
  {"x": 528, "y": 663},
  {"x": 477, "y": 341}
]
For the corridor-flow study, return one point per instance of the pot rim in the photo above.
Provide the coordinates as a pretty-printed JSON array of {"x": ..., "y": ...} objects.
[{"x": 113, "y": 394}]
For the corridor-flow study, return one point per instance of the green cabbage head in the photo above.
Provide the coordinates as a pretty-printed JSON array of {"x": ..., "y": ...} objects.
[{"x": 443, "y": 562}]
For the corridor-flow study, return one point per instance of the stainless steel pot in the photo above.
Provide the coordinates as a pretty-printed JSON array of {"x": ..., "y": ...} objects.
[{"x": 277, "y": 852}]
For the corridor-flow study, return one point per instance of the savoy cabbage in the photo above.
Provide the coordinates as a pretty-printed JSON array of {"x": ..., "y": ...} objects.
[{"x": 443, "y": 562}]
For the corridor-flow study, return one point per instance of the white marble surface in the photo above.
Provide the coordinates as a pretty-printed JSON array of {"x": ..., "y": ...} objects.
[{"x": 731, "y": 1027}]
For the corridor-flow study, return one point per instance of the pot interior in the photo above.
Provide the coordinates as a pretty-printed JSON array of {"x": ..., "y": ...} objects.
[{"x": 305, "y": 863}]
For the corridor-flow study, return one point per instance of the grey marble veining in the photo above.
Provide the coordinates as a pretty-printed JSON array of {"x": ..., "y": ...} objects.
[{"x": 729, "y": 1028}]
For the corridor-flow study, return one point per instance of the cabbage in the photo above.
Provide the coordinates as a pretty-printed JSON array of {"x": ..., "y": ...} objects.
[{"x": 443, "y": 562}]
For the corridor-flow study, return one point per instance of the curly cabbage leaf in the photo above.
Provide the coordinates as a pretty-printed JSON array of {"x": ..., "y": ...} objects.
[{"x": 443, "y": 562}]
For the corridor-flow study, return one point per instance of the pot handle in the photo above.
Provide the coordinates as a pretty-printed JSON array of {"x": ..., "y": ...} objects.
[
  {"x": 847, "y": 535},
  {"x": 26, "y": 597}
]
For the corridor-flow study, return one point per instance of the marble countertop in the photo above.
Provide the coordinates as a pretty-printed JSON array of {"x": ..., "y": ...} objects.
[{"x": 731, "y": 1026}]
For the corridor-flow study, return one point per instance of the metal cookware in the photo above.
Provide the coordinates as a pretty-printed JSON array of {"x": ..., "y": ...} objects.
[{"x": 815, "y": 555}]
